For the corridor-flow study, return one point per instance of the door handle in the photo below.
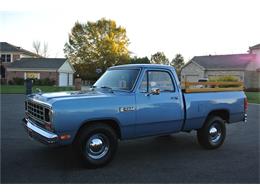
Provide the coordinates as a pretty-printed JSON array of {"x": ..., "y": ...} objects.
[{"x": 174, "y": 98}]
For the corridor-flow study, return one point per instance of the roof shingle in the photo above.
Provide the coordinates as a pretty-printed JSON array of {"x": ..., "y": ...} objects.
[
  {"x": 38, "y": 63},
  {"x": 7, "y": 47},
  {"x": 233, "y": 61},
  {"x": 255, "y": 47}
]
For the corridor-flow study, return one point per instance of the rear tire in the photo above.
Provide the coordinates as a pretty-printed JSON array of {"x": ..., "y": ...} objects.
[
  {"x": 213, "y": 133},
  {"x": 96, "y": 144}
]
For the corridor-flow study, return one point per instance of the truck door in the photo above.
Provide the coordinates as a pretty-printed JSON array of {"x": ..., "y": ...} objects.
[{"x": 160, "y": 113}]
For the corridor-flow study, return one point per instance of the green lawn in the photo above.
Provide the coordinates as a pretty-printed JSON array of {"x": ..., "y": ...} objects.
[
  {"x": 253, "y": 97},
  {"x": 12, "y": 89}
]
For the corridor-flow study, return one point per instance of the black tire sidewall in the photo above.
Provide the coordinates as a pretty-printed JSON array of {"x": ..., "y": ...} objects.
[
  {"x": 203, "y": 133},
  {"x": 84, "y": 136}
]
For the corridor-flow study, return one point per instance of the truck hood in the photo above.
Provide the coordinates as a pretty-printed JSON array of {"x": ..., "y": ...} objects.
[{"x": 53, "y": 97}]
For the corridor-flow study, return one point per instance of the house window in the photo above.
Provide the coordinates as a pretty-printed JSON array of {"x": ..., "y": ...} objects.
[
  {"x": 6, "y": 57},
  {"x": 3, "y": 58},
  {"x": 31, "y": 75}
]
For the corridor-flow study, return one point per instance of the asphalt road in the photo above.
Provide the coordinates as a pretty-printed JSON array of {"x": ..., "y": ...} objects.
[{"x": 173, "y": 159}]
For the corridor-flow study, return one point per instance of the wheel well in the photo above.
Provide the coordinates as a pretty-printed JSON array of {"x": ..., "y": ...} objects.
[
  {"x": 224, "y": 114},
  {"x": 112, "y": 123}
]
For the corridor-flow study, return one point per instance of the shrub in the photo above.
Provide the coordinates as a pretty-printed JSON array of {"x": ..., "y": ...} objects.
[
  {"x": 252, "y": 89},
  {"x": 11, "y": 82},
  {"x": 36, "y": 81},
  {"x": 225, "y": 79},
  {"x": 21, "y": 81},
  {"x": 45, "y": 81},
  {"x": 17, "y": 81}
]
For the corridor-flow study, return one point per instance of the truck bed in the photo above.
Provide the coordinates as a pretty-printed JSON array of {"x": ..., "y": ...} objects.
[{"x": 199, "y": 105}]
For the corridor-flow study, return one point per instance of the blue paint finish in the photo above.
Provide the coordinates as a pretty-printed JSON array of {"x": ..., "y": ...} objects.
[
  {"x": 158, "y": 114},
  {"x": 98, "y": 107},
  {"x": 144, "y": 114},
  {"x": 199, "y": 105}
]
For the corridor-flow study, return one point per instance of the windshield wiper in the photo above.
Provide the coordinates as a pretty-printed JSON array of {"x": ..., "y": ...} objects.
[{"x": 104, "y": 87}]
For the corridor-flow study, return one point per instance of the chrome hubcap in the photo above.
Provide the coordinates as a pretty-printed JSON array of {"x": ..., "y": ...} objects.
[
  {"x": 97, "y": 146},
  {"x": 214, "y": 134}
]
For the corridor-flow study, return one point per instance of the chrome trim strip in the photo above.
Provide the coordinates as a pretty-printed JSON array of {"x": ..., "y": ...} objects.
[
  {"x": 39, "y": 102},
  {"x": 40, "y": 134}
]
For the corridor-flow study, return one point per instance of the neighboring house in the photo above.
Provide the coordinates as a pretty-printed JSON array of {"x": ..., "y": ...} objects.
[
  {"x": 10, "y": 53},
  {"x": 245, "y": 67},
  {"x": 57, "y": 69}
]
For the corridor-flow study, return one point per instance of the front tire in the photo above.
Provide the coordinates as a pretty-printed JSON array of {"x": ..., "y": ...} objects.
[
  {"x": 213, "y": 133},
  {"x": 97, "y": 144}
]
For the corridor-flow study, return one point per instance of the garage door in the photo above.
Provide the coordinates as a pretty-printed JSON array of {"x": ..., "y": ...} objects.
[{"x": 63, "y": 79}]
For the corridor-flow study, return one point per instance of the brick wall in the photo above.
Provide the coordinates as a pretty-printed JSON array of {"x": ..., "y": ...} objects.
[
  {"x": 12, "y": 74},
  {"x": 43, "y": 75}
]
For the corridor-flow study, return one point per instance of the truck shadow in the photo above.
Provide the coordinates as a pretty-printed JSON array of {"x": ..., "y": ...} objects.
[{"x": 129, "y": 152}]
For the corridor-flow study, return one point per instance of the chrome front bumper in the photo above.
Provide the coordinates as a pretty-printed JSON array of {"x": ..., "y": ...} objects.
[{"x": 39, "y": 134}]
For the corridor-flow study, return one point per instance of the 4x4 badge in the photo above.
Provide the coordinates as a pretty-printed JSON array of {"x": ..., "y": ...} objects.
[{"x": 126, "y": 109}]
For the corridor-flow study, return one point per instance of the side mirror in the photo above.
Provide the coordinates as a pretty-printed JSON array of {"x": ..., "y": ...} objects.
[{"x": 155, "y": 91}]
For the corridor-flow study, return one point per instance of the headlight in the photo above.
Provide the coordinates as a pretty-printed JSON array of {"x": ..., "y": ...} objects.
[
  {"x": 48, "y": 119},
  {"x": 47, "y": 115}
]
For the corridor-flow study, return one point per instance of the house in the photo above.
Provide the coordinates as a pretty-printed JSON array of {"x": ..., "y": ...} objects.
[
  {"x": 56, "y": 69},
  {"x": 10, "y": 53},
  {"x": 245, "y": 67}
]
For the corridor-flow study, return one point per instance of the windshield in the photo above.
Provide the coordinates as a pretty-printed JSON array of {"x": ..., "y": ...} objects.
[{"x": 118, "y": 79}]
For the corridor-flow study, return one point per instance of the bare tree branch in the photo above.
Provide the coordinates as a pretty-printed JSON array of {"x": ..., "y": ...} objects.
[
  {"x": 45, "y": 50},
  {"x": 37, "y": 47}
]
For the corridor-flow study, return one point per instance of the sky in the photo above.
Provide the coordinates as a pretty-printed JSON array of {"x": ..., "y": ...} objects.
[{"x": 189, "y": 27}]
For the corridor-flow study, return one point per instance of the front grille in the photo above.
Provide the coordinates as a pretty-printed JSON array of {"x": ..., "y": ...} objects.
[{"x": 37, "y": 111}]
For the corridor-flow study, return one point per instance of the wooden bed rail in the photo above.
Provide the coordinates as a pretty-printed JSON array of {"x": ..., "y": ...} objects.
[{"x": 212, "y": 86}]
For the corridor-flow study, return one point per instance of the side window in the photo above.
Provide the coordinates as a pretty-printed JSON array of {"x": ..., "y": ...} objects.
[
  {"x": 160, "y": 80},
  {"x": 157, "y": 80}
]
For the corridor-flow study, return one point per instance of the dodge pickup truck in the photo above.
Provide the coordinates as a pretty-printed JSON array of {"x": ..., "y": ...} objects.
[{"x": 128, "y": 102}]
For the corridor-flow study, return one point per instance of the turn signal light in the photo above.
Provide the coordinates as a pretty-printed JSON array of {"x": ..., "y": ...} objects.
[
  {"x": 65, "y": 137},
  {"x": 245, "y": 104},
  {"x": 48, "y": 126}
]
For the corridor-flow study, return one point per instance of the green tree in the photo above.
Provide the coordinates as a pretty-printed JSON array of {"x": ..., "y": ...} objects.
[
  {"x": 136, "y": 60},
  {"x": 96, "y": 46},
  {"x": 178, "y": 62},
  {"x": 159, "y": 58}
]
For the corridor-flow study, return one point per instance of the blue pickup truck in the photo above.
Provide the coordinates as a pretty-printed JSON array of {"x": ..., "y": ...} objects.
[{"x": 128, "y": 102}]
